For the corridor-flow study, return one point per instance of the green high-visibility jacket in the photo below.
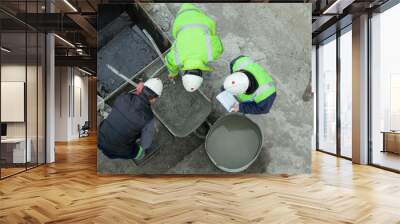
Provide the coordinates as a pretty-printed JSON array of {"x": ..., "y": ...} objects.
[
  {"x": 266, "y": 85},
  {"x": 196, "y": 43}
]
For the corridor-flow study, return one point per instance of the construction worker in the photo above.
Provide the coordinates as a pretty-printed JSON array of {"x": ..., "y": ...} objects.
[
  {"x": 196, "y": 45},
  {"x": 252, "y": 86},
  {"x": 128, "y": 130}
]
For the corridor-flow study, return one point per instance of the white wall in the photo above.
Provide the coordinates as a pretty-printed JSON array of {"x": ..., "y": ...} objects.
[
  {"x": 61, "y": 103},
  {"x": 34, "y": 125},
  {"x": 16, "y": 72},
  {"x": 79, "y": 117},
  {"x": 70, "y": 83}
]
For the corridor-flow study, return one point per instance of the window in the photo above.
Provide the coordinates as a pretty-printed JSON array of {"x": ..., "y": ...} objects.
[
  {"x": 385, "y": 89},
  {"x": 327, "y": 96},
  {"x": 346, "y": 93}
]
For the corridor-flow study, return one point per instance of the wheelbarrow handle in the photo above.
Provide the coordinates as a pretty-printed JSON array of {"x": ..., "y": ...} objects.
[
  {"x": 122, "y": 76},
  {"x": 208, "y": 126}
]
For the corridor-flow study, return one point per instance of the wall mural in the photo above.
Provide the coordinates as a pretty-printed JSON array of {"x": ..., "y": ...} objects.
[{"x": 204, "y": 88}]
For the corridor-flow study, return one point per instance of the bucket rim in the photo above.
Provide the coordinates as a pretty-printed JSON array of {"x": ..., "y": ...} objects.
[{"x": 261, "y": 141}]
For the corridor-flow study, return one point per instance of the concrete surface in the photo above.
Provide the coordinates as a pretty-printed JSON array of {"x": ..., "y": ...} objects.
[{"x": 278, "y": 37}]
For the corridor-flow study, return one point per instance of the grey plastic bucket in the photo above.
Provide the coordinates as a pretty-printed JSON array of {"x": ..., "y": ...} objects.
[{"x": 234, "y": 142}]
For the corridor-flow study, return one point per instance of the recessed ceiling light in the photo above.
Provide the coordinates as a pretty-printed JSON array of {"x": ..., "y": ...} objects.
[
  {"x": 5, "y": 50},
  {"x": 84, "y": 71},
  {"x": 338, "y": 6},
  {"x": 65, "y": 41},
  {"x": 70, "y": 5}
]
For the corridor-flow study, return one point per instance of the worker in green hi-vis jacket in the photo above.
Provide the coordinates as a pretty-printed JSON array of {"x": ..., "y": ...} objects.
[
  {"x": 196, "y": 45},
  {"x": 252, "y": 86}
]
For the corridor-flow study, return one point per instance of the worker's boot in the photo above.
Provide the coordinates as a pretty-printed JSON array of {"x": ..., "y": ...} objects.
[
  {"x": 140, "y": 155},
  {"x": 146, "y": 156}
]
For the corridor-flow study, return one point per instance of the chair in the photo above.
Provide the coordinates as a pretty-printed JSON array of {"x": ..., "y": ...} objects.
[{"x": 84, "y": 130}]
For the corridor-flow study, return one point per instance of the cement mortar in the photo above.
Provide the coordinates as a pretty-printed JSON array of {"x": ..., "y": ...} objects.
[
  {"x": 182, "y": 112},
  {"x": 128, "y": 52},
  {"x": 112, "y": 29},
  {"x": 233, "y": 142}
]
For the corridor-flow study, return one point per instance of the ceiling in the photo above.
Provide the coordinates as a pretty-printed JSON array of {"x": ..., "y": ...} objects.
[
  {"x": 76, "y": 22},
  {"x": 76, "y": 25},
  {"x": 331, "y": 15}
]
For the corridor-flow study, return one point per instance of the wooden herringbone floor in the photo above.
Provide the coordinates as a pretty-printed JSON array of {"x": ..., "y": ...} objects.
[{"x": 70, "y": 191}]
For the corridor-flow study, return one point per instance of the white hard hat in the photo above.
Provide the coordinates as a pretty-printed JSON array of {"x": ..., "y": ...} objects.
[
  {"x": 155, "y": 85},
  {"x": 191, "y": 82},
  {"x": 236, "y": 83}
]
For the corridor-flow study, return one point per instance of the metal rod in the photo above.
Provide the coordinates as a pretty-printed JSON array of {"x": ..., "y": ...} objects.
[
  {"x": 124, "y": 84},
  {"x": 122, "y": 76},
  {"x": 154, "y": 45},
  {"x": 138, "y": 73},
  {"x": 158, "y": 52},
  {"x": 156, "y": 72},
  {"x": 160, "y": 55}
]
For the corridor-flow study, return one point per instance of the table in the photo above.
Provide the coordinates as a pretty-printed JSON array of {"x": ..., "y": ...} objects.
[
  {"x": 391, "y": 141},
  {"x": 13, "y": 150}
]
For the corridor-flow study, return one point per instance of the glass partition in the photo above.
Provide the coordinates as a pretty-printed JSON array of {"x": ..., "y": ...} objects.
[
  {"x": 22, "y": 88},
  {"x": 13, "y": 95},
  {"x": 31, "y": 99}
]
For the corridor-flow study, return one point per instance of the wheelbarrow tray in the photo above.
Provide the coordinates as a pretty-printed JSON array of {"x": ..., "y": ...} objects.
[
  {"x": 128, "y": 52},
  {"x": 181, "y": 112}
]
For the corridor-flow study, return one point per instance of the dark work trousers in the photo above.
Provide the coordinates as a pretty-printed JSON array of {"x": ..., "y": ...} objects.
[{"x": 147, "y": 134}]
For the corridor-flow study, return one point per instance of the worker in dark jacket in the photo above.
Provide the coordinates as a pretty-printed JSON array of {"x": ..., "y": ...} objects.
[
  {"x": 128, "y": 131},
  {"x": 252, "y": 86}
]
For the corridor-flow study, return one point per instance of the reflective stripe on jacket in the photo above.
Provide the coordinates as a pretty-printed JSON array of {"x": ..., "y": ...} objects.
[{"x": 196, "y": 43}]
